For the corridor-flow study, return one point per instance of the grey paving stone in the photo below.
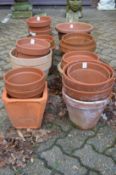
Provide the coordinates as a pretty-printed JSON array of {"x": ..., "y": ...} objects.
[
  {"x": 65, "y": 164},
  {"x": 112, "y": 152},
  {"x": 113, "y": 63},
  {"x": 74, "y": 140},
  {"x": 104, "y": 138},
  {"x": 98, "y": 162},
  {"x": 6, "y": 171},
  {"x": 93, "y": 173},
  {"x": 36, "y": 168}
]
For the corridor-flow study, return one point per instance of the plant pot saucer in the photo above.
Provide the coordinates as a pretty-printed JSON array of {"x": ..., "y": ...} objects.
[{"x": 32, "y": 46}]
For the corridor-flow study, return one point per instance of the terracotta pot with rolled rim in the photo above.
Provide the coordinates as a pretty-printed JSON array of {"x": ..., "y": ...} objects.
[
  {"x": 77, "y": 42},
  {"x": 88, "y": 72},
  {"x": 32, "y": 46},
  {"x": 39, "y": 21},
  {"x": 47, "y": 37},
  {"x": 87, "y": 87},
  {"x": 87, "y": 96},
  {"x": 81, "y": 27},
  {"x": 35, "y": 93},
  {"x": 23, "y": 79},
  {"x": 78, "y": 56}
]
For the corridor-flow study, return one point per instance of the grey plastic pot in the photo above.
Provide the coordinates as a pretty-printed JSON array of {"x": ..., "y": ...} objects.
[{"x": 84, "y": 114}]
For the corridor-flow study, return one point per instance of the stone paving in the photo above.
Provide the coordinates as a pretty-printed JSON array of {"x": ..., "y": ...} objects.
[{"x": 73, "y": 151}]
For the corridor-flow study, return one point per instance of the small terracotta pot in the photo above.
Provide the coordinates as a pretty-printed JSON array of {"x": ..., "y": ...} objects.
[
  {"x": 87, "y": 96},
  {"x": 23, "y": 79},
  {"x": 39, "y": 32},
  {"x": 48, "y": 38},
  {"x": 84, "y": 86},
  {"x": 26, "y": 113},
  {"x": 26, "y": 94},
  {"x": 41, "y": 22},
  {"x": 64, "y": 28},
  {"x": 37, "y": 48},
  {"x": 93, "y": 72},
  {"x": 78, "y": 56},
  {"x": 77, "y": 42},
  {"x": 84, "y": 114}
]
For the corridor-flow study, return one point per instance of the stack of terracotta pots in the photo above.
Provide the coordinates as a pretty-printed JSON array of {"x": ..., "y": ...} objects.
[
  {"x": 87, "y": 86},
  {"x": 76, "y": 56},
  {"x": 77, "y": 42},
  {"x": 25, "y": 96},
  {"x": 81, "y": 27},
  {"x": 39, "y": 25},
  {"x": 33, "y": 52}
]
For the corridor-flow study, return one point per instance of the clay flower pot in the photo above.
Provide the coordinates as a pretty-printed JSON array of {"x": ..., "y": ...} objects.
[
  {"x": 32, "y": 46},
  {"x": 84, "y": 114},
  {"x": 77, "y": 42},
  {"x": 77, "y": 85},
  {"x": 23, "y": 79},
  {"x": 87, "y": 96},
  {"x": 42, "y": 62},
  {"x": 26, "y": 113},
  {"x": 78, "y": 56},
  {"x": 42, "y": 30},
  {"x": 39, "y": 21},
  {"x": 81, "y": 27},
  {"x": 88, "y": 72}
]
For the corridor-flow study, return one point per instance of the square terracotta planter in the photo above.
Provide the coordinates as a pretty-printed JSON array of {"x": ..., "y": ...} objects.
[{"x": 25, "y": 113}]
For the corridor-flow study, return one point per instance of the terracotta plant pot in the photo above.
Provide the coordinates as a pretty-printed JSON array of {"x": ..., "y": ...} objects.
[
  {"x": 23, "y": 79},
  {"x": 81, "y": 27},
  {"x": 84, "y": 114},
  {"x": 87, "y": 96},
  {"x": 77, "y": 42},
  {"x": 39, "y": 21},
  {"x": 77, "y": 85},
  {"x": 38, "y": 32},
  {"x": 44, "y": 62},
  {"x": 88, "y": 72},
  {"x": 78, "y": 56},
  {"x": 25, "y": 113},
  {"x": 32, "y": 46}
]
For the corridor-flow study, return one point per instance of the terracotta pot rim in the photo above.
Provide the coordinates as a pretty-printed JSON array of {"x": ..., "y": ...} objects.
[
  {"x": 36, "y": 50},
  {"x": 88, "y": 85},
  {"x": 35, "y": 23},
  {"x": 86, "y": 102},
  {"x": 24, "y": 68},
  {"x": 59, "y": 27}
]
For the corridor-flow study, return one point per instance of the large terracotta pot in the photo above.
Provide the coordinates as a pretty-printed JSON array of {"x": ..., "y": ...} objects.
[
  {"x": 81, "y": 27},
  {"x": 77, "y": 42},
  {"x": 32, "y": 46},
  {"x": 85, "y": 86},
  {"x": 26, "y": 113},
  {"x": 84, "y": 114},
  {"x": 87, "y": 96},
  {"x": 78, "y": 56},
  {"x": 23, "y": 79},
  {"x": 39, "y": 21}
]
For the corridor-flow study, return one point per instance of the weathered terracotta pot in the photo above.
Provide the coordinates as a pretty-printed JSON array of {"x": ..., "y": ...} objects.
[
  {"x": 81, "y": 27},
  {"x": 32, "y": 46},
  {"x": 23, "y": 79},
  {"x": 84, "y": 86},
  {"x": 84, "y": 114},
  {"x": 77, "y": 42},
  {"x": 48, "y": 38},
  {"x": 44, "y": 62},
  {"x": 39, "y": 21},
  {"x": 87, "y": 96},
  {"x": 78, "y": 56},
  {"x": 88, "y": 72},
  {"x": 25, "y": 113}
]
